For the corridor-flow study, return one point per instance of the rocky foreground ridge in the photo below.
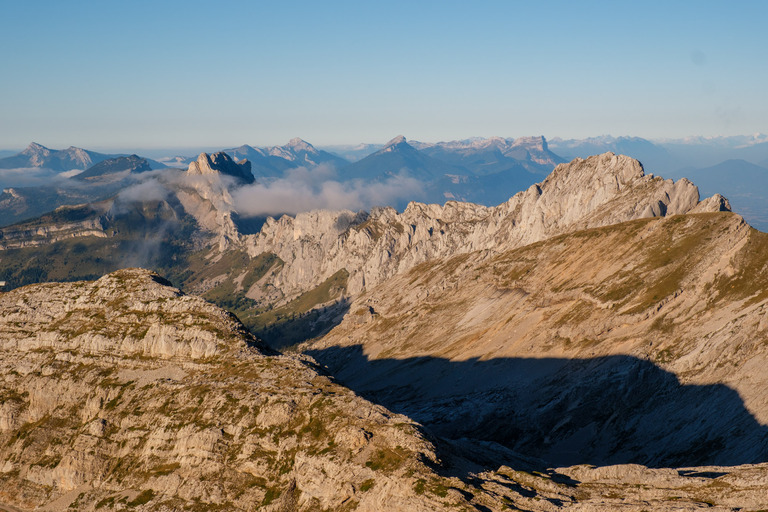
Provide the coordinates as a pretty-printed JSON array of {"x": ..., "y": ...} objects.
[
  {"x": 637, "y": 343},
  {"x": 124, "y": 393}
]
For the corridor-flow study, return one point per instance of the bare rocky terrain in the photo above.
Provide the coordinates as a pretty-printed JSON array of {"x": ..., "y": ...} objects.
[
  {"x": 594, "y": 343},
  {"x": 124, "y": 393}
]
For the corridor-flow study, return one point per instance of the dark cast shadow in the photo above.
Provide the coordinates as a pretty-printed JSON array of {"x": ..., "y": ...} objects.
[{"x": 562, "y": 412}]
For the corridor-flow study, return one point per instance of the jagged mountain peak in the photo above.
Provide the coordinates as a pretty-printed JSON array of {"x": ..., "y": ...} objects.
[
  {"x": 221, "y": 163},
  {"x": 599, "y": 191}
]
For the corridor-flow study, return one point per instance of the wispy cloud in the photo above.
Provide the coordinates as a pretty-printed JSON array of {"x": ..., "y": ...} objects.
[
  {"x": 304, "y": 190},
  {"x": 149, "y": 190},
  {"x": 30, "y": 177}
]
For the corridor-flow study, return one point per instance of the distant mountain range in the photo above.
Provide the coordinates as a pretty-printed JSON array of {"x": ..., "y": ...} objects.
[
  {"x": 395, "y": 157},
  {"x": 60, "y": 160},
  {"x": 481, "y": 170},
  {"x": 666, "y": 156},
  {"x": 44, "y": 192},
  {"x": 115, "y": 167},
  {"x": 272, "y": 162}
]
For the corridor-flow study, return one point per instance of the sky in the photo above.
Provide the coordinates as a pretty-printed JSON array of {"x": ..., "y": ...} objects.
[{"x": 159, "y": 74}]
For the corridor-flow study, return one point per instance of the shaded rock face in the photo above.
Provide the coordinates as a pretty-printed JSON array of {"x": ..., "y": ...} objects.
[
  {"x": 131, "y": 164},
  {"x": 599, "y": 191},
  {"x": 641, "y": 342},
  {"x": 222, "y": 163}
]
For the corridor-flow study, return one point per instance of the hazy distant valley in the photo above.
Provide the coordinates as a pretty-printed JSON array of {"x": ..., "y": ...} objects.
[{"x": 485, "y": 324}]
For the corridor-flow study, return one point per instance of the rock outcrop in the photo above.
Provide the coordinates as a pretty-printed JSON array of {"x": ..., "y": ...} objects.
[
  {"x": 221, "y": 164},
  {"x": 601, "y": 190},
  {"x": 124, "y": 392},
  {"x": 604, "y": 346},
  {"x": 204, "y": 192}
]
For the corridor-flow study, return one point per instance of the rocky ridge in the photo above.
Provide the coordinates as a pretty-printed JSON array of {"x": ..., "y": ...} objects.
[
  {"x": 221, "y": 164},
  {"x": 628, "y": 356},
  {"x": 670, "y": 302},
  {"x": 476, "y": 322},
  {"x": 66, "y": 222},
  {"x": 203, "y": 191},
  {"x": 601, "y": 190},
  {"x": 124, "y": 392}
]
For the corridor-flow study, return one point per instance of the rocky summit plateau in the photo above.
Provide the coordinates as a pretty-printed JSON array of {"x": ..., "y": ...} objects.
[{"x": 596, "y": 342}]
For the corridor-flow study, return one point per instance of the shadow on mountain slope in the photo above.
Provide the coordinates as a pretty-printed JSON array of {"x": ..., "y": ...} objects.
[
  {"x": 600, "y": 411},
  {"x": 292, "y": 327}
]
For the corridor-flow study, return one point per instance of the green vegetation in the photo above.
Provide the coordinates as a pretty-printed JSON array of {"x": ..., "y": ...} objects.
[
  {"x": 327, "y": 291},
  {"x": 143, "y": 498},
  {"x": 387, "y": 459},
  {"x": 271, "y": 495},
  {"x": 165, "y": 469},
  {"x": 751, "y": 279},
  {"x": 151, "y": 235},
  {"x": 234, "y": 265},
  {"x": 301, "y": 318}
]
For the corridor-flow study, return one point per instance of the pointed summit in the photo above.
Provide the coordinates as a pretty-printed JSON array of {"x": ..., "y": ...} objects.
[
  {"x": 34, "y": 147},
  {"x": 395, "y": 158},
  {"x": 221, "y": 163},
  {"x": 400, "y": 139},
  {"x": 298, "y": 144}
]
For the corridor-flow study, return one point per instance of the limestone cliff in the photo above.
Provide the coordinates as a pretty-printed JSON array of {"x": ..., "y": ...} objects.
[
  {"x": 601, "y": 190},
  {"x": 221, "y": 163}
]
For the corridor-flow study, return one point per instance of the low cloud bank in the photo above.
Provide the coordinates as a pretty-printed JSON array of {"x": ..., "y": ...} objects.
[
  {"x": 33, "y": 177},
  {"x": 303, "y": 190},
  {"x": 149, "y": 190}
]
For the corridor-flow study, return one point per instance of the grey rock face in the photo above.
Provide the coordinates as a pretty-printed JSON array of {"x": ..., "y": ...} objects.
[
  {"x": 221, "y": 163},
  {"x": 601, "y": 190}
]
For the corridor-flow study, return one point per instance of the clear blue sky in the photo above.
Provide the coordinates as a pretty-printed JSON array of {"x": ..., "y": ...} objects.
[{"x": 109, "y": 74}]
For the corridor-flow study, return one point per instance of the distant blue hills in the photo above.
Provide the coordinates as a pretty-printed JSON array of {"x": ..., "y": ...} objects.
[{"x": 481, "y": 170}]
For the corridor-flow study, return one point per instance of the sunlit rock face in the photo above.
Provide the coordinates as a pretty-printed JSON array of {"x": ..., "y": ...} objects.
[
  {"x": 221, "y": 163},
  {"x": 601, "y": 190},
  {"x": 126, "y": 391}
]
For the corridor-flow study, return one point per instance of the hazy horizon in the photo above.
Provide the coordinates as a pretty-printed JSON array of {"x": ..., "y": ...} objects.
[
  {"x": 187, "y": 151},
  {"x": 173, "y": 74}
]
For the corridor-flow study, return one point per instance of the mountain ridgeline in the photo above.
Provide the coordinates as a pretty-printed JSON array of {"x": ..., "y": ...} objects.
[
  {"x": 486, "y": 173},
  {"x": 596, "y": 341}
]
